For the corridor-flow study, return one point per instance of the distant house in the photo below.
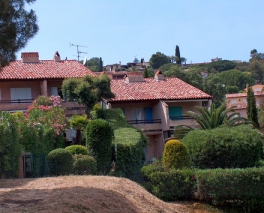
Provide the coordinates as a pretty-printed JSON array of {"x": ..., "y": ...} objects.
[
  {"x": 156, "y": 105},
  {"x": 24, "y": 80},
  {"x": 239, "y": 100}
]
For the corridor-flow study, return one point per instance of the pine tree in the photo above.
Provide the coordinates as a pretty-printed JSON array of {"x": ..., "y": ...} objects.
[
  {"x": 177, "y": 55},
  {"x": 252, "y": 112},
  {"x": 17, "y": 26}
]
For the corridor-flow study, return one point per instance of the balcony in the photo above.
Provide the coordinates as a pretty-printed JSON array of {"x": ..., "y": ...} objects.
[
  {"x": 146, "y": 125},
  {"x": 15, "y": 105},
  {"x": 182, "y": 120},
  {"x": 73, "y": 108}
]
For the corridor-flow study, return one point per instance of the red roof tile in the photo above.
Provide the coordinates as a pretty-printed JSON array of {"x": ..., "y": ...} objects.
[
  {"x": 44, "y": 69},
  {"x": 169, "y": 89}
]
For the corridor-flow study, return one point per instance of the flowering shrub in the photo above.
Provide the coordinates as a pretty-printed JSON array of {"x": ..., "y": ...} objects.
[{"x": 44, "y": 124}]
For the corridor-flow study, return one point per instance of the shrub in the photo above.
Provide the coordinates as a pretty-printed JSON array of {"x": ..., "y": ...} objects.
[
  {"x": 240, "y": 188},
  {"x": 77, "y": 149},
  {"x": 226, "y": 147},
  {"x": 10, "y": 149},
  {"x": 168, "y": 184},
  {"x": 128, "y": 150},
  {"x": 99, "y": 141},
  {"x": 84, "y": 165},
  {"x": 60, "y": 162},
  {"x": 175, "y": 155}
]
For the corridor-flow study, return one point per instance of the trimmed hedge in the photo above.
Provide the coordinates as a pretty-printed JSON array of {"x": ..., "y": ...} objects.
[
  {"x": 240, "y": 188},
  {"x": 60, "y": 162},
  {"x": 175, "y": 155},
  {"x": 168, "y": 185},
  {"x": 128, "y": 149},
  {"x": 99, "y": 141},
  {"x": 84, "y": 165},
  {"x": 226, "y": 147},
  {"x": 77, "y": 149}
]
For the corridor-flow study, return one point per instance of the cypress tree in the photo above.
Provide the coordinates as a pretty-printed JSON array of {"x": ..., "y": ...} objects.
[
  {"x": 145, "y": 73},
  {"x": 252, "y": 112},
  {"x": 100, "y": 65},
  {"x": 177, "y": 55}
]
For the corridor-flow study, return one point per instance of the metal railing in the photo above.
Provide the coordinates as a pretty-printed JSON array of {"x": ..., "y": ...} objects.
[
  {"x": 16, "y": 101},
  {"x": 153, "y": 121},
  {"x": 177, "y": 118}
]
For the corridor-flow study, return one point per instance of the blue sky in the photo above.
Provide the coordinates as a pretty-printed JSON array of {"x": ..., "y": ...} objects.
[{"x": 119, "y": 30}]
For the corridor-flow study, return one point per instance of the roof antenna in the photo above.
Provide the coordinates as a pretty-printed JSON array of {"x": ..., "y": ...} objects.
[{"x": 78, "y": 52}]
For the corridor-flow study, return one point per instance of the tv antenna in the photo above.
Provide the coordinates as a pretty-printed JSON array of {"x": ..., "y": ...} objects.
[{"x": 78, "y": 52}]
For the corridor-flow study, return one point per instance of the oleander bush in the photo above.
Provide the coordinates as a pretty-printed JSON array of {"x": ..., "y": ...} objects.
[
  {"x": 84, "y": 165},
  {"x": 225, "y": 147},
  {"x": 77, "y": 149},
  {"x": 239, "y": 188},
  {"x": 60, "y": 162},
  {"x": 175, "y": 155}
]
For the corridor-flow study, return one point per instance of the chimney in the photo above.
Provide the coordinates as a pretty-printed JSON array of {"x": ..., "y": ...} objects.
[
  {"x": 56, "y": 57},
  {"x": 30, "y": 57},
  {"x": 159, "y": 76},
  {"x": 133, "y": 77}
]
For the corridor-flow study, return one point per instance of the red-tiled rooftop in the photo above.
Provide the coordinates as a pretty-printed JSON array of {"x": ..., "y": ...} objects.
[
  {"x": 44, "y": 69},
  {"x": 151, "y": 89}
]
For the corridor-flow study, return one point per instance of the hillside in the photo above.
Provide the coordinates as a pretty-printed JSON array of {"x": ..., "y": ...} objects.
[{"x": 80, "y": 194}]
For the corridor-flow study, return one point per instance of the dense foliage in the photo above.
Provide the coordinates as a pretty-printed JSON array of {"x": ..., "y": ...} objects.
[
  {"x": 168, "y": 184},
  {"x": 175, "y": 155},
  {"x": 77, "y": 149},
  {"x": 88, "y": 90},
  {"x": 84, "y": 165},
  {"x": 17, "y": 26},
  {"x": 60, "y": 162},
  {"x": 128, "y": 151},
  {"x": 236, "y": 147},
  {"x": 99, "y": 142},
  {"x": 10, "y": 149},
  {"x": 45, "y": 114},
  {"x": 240, "y": 188}
]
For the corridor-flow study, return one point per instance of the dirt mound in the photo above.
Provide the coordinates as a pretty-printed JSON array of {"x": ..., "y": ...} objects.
[{"x": 80, "y": 194}]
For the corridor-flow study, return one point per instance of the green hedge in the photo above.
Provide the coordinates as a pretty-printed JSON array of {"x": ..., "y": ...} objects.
[
  {"x": 77, "y": 149},
  {"x": 127, "y": 149},
  {"x": 226, "y": 147},
  {"x": 10, "y": 149},
  {"x": 130, "y": 157},
  {"x": 84, "y": 165},
  {"x": 99, "y": 141},
  {"x": 168, "y": 185},
  {"x": 241, "y": 188},
  {"x": 60, "y": 162}
]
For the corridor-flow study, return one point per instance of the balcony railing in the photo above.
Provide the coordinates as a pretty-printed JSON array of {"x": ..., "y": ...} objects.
[
  {"x": 177, "y": 118},
  {"x": 17, "y": 101},
  {"x": 144, "y": 121}
]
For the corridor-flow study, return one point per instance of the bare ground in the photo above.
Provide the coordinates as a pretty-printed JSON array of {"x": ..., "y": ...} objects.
[{"x": 84, "y": 194}]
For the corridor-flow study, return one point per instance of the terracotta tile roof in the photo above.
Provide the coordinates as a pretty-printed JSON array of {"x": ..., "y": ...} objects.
[
  {"x": 150, "y": 89},
  {"x": 45, "y": 69}
]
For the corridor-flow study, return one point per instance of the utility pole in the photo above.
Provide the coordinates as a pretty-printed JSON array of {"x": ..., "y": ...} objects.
[{"x": 78, "y": 52}]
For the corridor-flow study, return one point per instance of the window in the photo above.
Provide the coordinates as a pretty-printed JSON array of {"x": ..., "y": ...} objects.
[
  {"x": 233, "y": 102},
  {"x": 20, "y": 93},
  {"x": 244, "y": 100},
  {"x": 175, "y": 112},
  {"x": 0, "y": 95},
  {"x": 54, "y": 91},
  {"x": 137, "y": 114}
]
